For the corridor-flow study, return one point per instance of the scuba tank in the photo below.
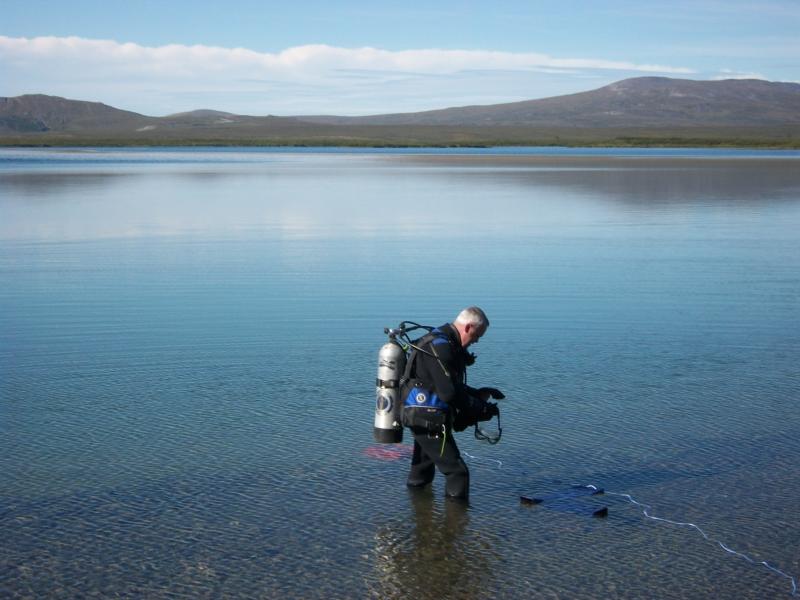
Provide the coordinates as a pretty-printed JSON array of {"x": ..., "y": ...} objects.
[
  {"x": 391, "y": 363},
  {"x": 388, "y": 425}
]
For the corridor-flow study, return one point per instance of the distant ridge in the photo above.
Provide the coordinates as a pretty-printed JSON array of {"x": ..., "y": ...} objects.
[
  {"x": 641, "y": 102},
  {"x": 639, "y": 111},
  {"x": 38, "y": 113}
]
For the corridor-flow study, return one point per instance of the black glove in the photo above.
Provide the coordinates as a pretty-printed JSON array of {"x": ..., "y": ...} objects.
[
  {"x": 489, "y": 410},
  {"x": 493, "y": 392}
]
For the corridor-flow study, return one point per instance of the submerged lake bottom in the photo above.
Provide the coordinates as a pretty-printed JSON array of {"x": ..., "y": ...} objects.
[{"x": 188, "y": 349}]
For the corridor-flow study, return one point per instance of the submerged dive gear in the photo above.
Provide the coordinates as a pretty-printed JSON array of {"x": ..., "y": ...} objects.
[{"x": 568, "y": 500}]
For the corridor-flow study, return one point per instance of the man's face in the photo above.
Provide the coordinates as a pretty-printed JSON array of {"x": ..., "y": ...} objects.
[{"x": 471, "y": 335}]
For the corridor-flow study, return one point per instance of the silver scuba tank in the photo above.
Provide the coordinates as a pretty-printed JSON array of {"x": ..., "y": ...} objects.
[{"x": 388, "y": 428}]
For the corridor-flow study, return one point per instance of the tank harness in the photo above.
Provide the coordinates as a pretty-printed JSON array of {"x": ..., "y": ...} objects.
[{"x": 422, "y": 407}]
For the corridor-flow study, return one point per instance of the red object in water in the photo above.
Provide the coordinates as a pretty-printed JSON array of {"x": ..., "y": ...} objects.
[{"x": 388, "y": 451}]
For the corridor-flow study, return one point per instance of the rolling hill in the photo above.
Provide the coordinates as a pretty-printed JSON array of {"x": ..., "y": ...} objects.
[
  {"x": 641, "y": 102},
  {"x": 639, "y": 111}
]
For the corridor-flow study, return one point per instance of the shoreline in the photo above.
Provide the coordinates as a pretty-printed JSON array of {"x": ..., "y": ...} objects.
[
  {"x": 377, "y": 136},
  {"x": 678, "y": 144},
  {"x": 429, "y": 154}
]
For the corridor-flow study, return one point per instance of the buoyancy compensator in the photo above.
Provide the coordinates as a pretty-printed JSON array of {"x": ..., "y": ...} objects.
[{"x": 422, "y": 406}]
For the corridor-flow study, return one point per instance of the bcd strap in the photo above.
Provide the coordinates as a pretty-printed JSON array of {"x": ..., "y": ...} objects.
[
  {"x": 384, "y": 383},
  {"x": 418, "y": 346}
]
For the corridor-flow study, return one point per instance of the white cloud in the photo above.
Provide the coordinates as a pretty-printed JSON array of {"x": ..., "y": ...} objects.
[
  {"x": 730, "y": 74},
  {"x": 296, "y": 80},
  {"x": 178, "y": 60}
]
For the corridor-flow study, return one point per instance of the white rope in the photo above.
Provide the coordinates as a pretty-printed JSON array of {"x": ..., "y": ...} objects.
[
  {"x": 645, "y": 511},
  {"x": 646, "y": 507},
  {"x": 479, "y": 458}
]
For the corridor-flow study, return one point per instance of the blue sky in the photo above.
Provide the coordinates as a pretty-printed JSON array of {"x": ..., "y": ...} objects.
[{"x": 356, "y": 57}]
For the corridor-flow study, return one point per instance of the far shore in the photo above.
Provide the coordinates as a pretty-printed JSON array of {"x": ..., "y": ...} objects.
[
  {"x": 559, "y": 151},
  {"x": 395, "y": 136},
  {"x": 677, "y": 143}
]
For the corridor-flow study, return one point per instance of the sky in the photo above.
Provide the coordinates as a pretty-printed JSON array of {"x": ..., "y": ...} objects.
[{"x": 357, "y": 57}]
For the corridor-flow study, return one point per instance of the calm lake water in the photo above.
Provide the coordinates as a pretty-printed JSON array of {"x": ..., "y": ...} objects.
[{"x": 188, "y": 344}]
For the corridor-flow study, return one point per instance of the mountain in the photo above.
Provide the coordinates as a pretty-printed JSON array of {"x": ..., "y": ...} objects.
[
  {"x": 640, "y": 111},
  {"x": 74, "y": 119},
  {"x": 640, "y": 102},
  {"x": 38, "y": 113}
]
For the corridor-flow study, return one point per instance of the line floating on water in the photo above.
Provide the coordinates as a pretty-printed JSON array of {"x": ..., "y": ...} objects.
[
  {"x": 646, "y": 507},
  {"x": 482, "y": 458}
]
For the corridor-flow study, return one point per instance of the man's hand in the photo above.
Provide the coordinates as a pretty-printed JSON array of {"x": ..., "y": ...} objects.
[
  {"x": 489, "y": 410},
  {"x": 488, "y": 392}
]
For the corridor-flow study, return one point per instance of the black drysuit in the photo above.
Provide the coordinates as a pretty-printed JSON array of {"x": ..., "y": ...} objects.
[{"x": 444, "y": 373}]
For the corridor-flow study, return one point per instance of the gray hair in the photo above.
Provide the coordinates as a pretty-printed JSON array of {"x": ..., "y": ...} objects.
[{"x": 474, "y": 316}]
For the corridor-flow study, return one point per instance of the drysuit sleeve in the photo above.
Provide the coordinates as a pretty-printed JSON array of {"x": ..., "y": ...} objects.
[{"x": 444, "y": 373}]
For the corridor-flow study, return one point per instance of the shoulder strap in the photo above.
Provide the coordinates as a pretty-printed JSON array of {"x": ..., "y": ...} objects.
[
  {"x": 441, "y": 364},
  {"x": 417, "y": 347}
]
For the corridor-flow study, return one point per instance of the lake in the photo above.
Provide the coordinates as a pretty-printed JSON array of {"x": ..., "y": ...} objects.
[{"x": 188, "y": 350}]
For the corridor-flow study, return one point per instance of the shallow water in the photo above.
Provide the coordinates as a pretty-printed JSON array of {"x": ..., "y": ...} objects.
[{"x": 187, "y": 355}]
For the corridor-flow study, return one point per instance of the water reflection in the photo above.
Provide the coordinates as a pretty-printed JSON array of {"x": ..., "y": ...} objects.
[
  {"x": 638, "y": 181},
  {"x": 44, "y": 186},
  {"x": 437, "y": 551},
  {"x": 336, "y": 195}
]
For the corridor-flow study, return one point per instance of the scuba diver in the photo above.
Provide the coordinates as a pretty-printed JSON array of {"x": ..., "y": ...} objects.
[{"x": 436, "y": 400}]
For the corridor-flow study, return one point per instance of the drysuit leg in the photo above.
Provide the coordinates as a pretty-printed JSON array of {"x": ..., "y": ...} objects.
[
  {"x": 428, "y": 452},
  {"x": 422, "y": 466}
]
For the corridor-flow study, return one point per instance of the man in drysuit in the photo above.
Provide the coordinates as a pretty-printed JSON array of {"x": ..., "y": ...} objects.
[{"x": 438, "y": 401}]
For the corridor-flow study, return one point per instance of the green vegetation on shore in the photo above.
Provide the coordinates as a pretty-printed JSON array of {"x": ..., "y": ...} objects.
[{"x": 791, "y": 140}]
